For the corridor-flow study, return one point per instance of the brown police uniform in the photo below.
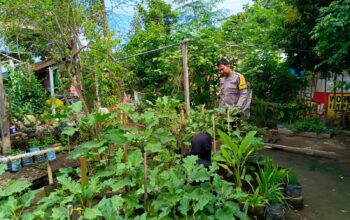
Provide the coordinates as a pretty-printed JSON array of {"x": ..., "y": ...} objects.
[{"x": 234, "y": 91}]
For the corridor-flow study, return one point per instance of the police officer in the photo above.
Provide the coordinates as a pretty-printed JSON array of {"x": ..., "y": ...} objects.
[{"x": 233, "y": 88}]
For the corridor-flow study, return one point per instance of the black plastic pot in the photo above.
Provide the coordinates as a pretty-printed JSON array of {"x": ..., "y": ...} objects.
[
  {"x": 293, "y": 190},
  {"x": 38, "y": 158},
  {"x": 275, "y": 212},
  {"x": 257, "y": 212},
  {"x": 27, "y": 161},
  {"x": 296, "y": 203}
]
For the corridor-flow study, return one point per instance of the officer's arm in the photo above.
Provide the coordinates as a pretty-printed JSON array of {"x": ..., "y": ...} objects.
[{"x": 243, "y": 92}]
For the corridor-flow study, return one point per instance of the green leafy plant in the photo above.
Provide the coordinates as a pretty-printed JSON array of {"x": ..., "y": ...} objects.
[
  {"x": 34, "y": 143},
  {"x": 270, "y": 180},
  {"x": 293, "y": 178},
  {"x": 236, "y": 152},
  {"x": 310, "y": 124}
]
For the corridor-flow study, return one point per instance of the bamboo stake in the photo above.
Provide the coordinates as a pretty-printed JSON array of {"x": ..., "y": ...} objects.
[
  {"x": 49, "y": 172},
  {"x": 69, "y": 210},
  {"x": 83, "y": 167},
  {"x": 125, "y": 153},
  {"x": 214, "y": 134},
  {"x": 17, "y": 157},
  {"x": 145, "y": 197},
  {"x": 182, "y": 124}
]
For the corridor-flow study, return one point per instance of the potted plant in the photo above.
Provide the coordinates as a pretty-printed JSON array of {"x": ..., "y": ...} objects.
[
  {"x": 270, "y": 180},
  {"x": 255, "y": 205},
  {"x": 293, "y": 191},
  {"x": 49, "y": 140},
  {"x": 34, "y": 146},
  {"x": 293, "y": 187},
  {"x": 275, "y": 208}
]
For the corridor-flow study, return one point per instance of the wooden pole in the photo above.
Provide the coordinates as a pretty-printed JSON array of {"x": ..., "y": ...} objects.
[
  {"x": 125, "y": 153},
  {"x": 17, "y": 157},
  {"x": 185, "y": 69},
  {"x": 49, "y": 172},
  {"x": 83, "y": 167},
  {"x": 145, "y": 197},
  {"x": 52, "y": 90},
  {"x": 305, "y": 151},
  {"x": 214, "y": 133},
  {"x": 69, "y": 210},
  {"x": 5, "y": 145}
]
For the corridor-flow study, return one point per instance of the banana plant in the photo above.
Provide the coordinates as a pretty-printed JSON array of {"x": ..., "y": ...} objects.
[{"x": 234, "y": 153}]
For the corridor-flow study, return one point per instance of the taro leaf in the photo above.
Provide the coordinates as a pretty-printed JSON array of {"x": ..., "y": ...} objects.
[
  {"x": 68, "y": 184},
  {"x": 28, "y": 197},
  {"x": 154, "y": 147},
  {"x": 59, "y": 213},
  {"x": 69, "y": 131},
  {"x": 3, "y": 168},
  {"x": 92, "y": 213},
  {"x": 77, "y": 107},
  {"x": 14, "y": 186}
]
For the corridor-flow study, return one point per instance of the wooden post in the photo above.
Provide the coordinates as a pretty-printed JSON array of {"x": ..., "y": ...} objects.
[
  {"x": 83, "y": 167},
  {"x": 52, "y": 90},
  {"x": 5, "y": 145},
  {"x": 185, "y": 69},
  {"x": 125, "y": 153},
  {"x": 69, "y": 210},
  {"x": 145, "y": 197},
  {"x": 214, "y": 133},
  {"x": 49, "y": 172}
]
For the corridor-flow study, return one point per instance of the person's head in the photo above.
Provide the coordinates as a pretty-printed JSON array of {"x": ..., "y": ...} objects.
[
  {"x": 201, "y": 145},
  {"x": 224, "y": 67}
]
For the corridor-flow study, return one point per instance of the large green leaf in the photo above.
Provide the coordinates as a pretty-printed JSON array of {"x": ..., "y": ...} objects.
[
  {"x": 3, "y": 168},
  {"x": 68, "y": 184},
  {"x": 77, "y": 107},
  {"x": 27, "y": 198},
  {"x": 59, "y": 213},
  {"x": 228, "y": 142},
  {"x": 69, "y": 131},
  {"x": 246, "y": 142},
  {"x": 14, "y": 186},
  {"x": 92, "y": 213}
]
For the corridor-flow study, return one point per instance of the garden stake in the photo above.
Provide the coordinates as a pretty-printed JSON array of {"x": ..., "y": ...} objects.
[
  {"x": 214, "y": 135},
  {"x": 49, "y": 172},
  {"x": 181, "y": 130},
  {"x": 145, "y": 180},
  {"x": 125, "y": 153},
  {"x": 69, "y": 209},
  {"x": 83, "y": 171},
  {"x": 228, "y": 119}
]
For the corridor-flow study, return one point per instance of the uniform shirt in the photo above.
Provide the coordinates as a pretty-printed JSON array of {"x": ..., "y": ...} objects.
[{"x": 233, "y": 91}]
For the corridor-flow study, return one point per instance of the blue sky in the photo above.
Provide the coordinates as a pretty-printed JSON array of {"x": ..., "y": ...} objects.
[{"x": 119, "y": 16}]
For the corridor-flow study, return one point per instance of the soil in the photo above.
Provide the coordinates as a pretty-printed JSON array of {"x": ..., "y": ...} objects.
[{"x": 326, "y": 182}]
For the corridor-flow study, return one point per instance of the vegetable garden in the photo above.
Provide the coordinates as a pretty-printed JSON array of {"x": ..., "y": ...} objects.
[
  {"x": 67, "y": 76},
  {"x": 134, "y": 170}
]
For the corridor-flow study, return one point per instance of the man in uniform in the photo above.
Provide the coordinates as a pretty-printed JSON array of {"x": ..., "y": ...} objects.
[{"x": 233, "y": 88}]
